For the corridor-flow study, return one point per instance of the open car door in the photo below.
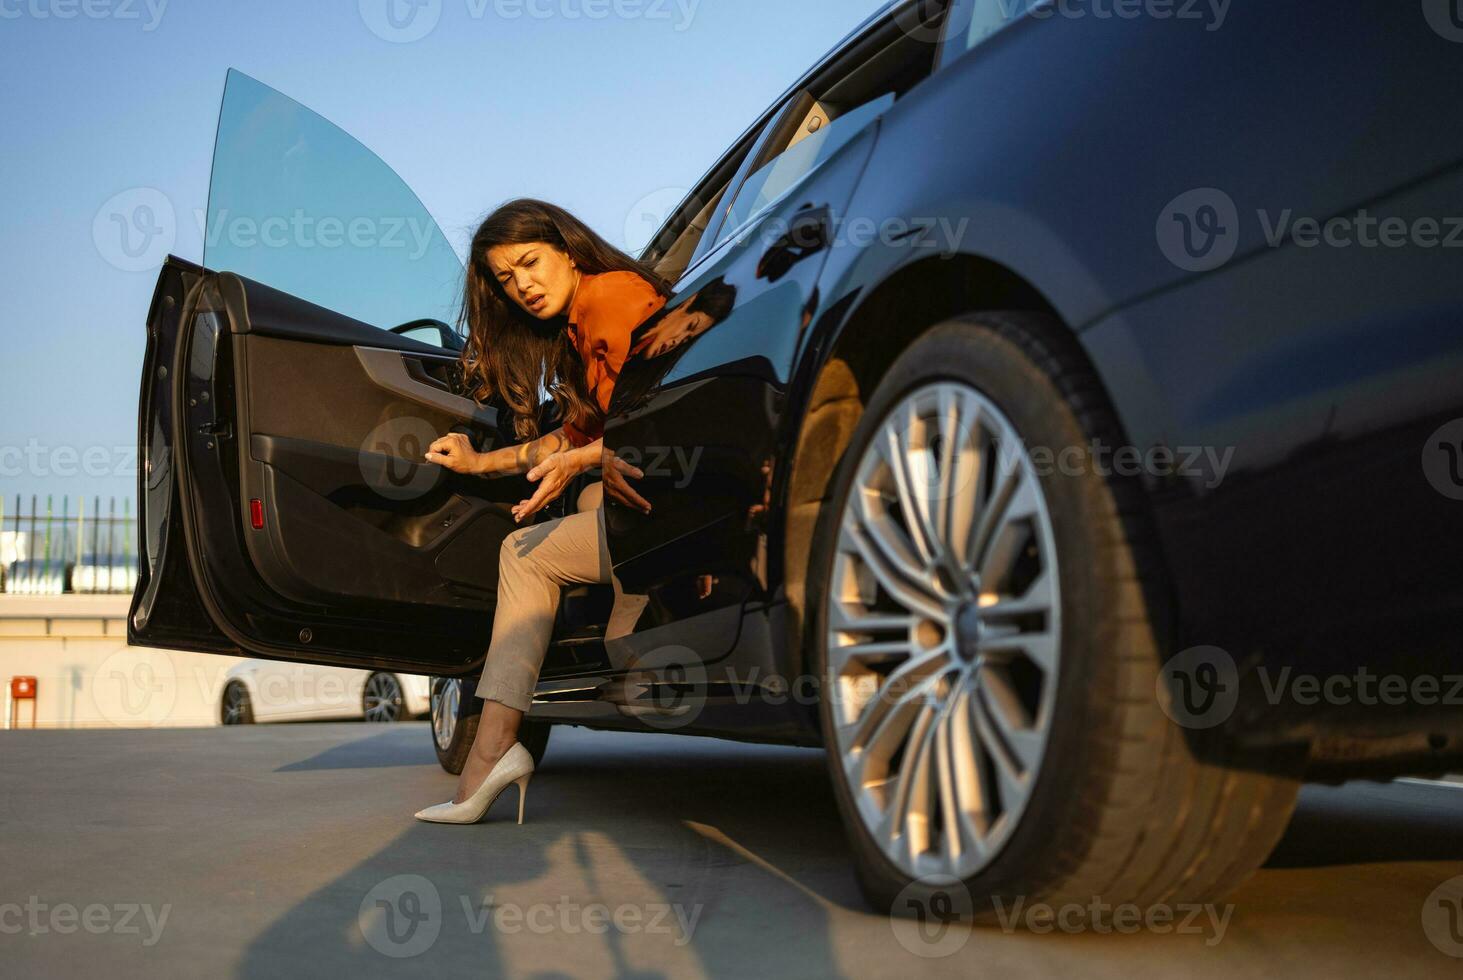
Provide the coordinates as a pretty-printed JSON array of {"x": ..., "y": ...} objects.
[{"x": 290, "y": 389}]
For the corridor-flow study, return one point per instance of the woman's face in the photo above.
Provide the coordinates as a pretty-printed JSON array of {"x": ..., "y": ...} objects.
[{"x": 537, "y": 276}]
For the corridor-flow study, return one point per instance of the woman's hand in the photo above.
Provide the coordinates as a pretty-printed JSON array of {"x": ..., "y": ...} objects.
[
  {"x": 616, "y": 475},
  {"x": 552, "y": 476},
  {"x": 454, "y": 451}
]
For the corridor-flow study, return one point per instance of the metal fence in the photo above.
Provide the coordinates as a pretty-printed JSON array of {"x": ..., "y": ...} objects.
[{"x": 55, "y": 549}]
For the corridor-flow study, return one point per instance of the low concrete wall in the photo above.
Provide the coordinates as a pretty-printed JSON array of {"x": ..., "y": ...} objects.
[{"x": 87, "y": 675}]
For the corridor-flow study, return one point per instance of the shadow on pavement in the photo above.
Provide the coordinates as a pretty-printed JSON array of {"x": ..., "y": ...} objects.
[
  {"x": 1368, "y": 823},
  {"x": 719, "y": 858},
  {"x": 382, "y": 751}
]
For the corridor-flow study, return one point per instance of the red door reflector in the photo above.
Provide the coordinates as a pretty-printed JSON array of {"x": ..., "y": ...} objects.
[{"x": 256, "y": 513}]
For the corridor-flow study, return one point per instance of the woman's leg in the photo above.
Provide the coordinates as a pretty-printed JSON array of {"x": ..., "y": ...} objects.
[
  {"x": 625, "y": 613},
  {"x": 533, "y": 566}
]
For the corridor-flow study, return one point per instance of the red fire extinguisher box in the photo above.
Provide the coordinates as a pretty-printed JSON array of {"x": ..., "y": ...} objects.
[{"x": 22, "y": 689}]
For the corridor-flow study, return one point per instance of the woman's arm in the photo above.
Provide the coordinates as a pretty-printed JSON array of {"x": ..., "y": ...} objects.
[
  {"x": 455, "y": 452},
  {"x": 550, "y": 461},
  {"x": 512, "y": 460}
]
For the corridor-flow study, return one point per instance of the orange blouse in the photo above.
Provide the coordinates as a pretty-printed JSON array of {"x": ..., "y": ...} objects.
[{"x": 606, "y": 310}]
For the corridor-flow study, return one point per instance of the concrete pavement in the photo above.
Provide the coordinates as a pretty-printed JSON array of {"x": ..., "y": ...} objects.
[{"x": 291, "y": 850}]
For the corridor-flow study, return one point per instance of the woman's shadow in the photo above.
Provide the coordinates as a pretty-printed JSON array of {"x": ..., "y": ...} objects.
[{"x": 692, "y": 845}]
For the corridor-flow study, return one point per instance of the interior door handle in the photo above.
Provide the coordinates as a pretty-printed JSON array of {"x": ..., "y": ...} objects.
[
  {"x": 388, "y": 369},
  {"x": 810, "y": 232},
  {"x": 417, "y": 371}
]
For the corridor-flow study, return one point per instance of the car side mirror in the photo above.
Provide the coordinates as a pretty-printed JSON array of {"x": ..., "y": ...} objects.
[{"x": 431, "y": 331}]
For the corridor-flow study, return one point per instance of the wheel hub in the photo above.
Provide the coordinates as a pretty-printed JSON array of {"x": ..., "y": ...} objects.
[{"x": 968, "y": 629}]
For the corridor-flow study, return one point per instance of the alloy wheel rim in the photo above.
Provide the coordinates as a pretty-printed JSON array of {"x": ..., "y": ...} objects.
[
  {"x": 446, "y": 695},
  {"x": 235, "y": 704},
  {"x": 383, "y": 698},
  {"x": 943, "y": 632}
]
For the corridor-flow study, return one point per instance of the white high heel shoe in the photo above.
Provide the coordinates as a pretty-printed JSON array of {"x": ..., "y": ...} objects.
[{"x": 516, "y": 766}]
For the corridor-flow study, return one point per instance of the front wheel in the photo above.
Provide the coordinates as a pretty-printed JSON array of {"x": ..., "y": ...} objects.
[
  {"x": 455, "y": 715},
  {"x": 988, "y": 634}
]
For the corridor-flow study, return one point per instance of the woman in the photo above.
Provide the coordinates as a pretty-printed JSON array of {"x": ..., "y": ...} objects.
[{"x": 548, "y": 305}]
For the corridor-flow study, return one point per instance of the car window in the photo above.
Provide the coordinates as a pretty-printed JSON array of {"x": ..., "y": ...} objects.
[
  {"x": 686, "y": 232},
  {"x": 970, "y": 22},
  {"x": 427, "y": 335},
  {"x": 814, "y": 141},
  {"x": 297, "y": 204}
]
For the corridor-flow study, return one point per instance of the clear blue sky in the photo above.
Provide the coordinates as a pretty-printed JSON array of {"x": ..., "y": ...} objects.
[{"x": 501, "y": 98}]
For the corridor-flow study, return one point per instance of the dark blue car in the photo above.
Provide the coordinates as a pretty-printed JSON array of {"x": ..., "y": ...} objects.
[{"x": 1068, "y": 436}]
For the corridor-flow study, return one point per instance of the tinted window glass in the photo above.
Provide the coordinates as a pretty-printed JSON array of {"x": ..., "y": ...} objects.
[
  {"x": 972, "y": 21},
  {"x": 427, "y": 335},
  {"x": 297, "y": 204},
  {"x": 788, "y": 169}
]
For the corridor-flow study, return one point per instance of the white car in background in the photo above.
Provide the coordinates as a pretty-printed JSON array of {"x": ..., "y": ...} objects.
[{"x": 275, "y": 690}]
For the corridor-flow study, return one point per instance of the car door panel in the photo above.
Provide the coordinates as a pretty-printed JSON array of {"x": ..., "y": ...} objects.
[
  {"x": 166, "y": 609},
  {"x": 313, "y": 533},
  {"x": 342, "y": 520},
  {"x": 287, "y": 400},
  {"x": 701, "y": 419},
  {"x": 287, "y": 404}
]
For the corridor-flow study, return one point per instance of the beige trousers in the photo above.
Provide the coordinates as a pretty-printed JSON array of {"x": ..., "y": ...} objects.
[{"x": 534, "y": 565}]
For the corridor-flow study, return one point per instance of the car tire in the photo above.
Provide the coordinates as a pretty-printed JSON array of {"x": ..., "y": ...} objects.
[
  {"x": 1107, "y": 800},
  {"x": 383, "y": 701},
  {"x": 235, "y": 706},
  {"x": 455, "y": 714}
]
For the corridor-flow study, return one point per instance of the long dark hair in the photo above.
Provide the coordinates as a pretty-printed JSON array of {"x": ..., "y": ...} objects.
[{"x": 513, "y": 355}]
